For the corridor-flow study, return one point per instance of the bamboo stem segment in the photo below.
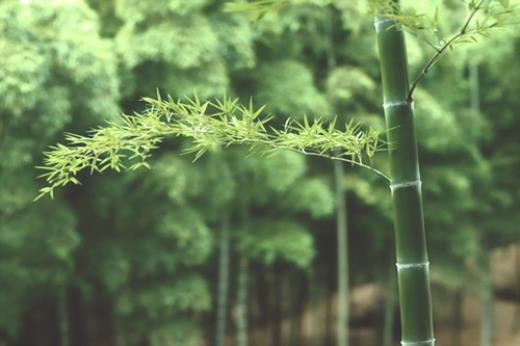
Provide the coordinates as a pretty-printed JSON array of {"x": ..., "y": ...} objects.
[
  {"x": 343, "y": 277},
  {"x": 223, "y": 284},
  {"x": 412, "y": 257}
]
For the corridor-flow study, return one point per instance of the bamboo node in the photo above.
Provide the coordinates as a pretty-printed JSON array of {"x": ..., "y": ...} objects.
[
  {"x": 397, "y": 104},
  {"x": 380, "y": 23},
  {"x": 404, "y": 266},
  {"x": 405, "y": 184},
  {"x": 430, "y": 342}
]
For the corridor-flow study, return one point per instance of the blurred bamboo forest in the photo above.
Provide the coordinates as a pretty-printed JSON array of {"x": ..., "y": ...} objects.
[{"x": 236, "y": 249}]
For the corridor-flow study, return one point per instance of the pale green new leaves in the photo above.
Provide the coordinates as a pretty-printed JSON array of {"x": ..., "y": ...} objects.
[{"x": 126, "y": 145}]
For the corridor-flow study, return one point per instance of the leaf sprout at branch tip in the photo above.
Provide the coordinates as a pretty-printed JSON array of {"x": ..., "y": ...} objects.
[{"x": 126, "y": 145}]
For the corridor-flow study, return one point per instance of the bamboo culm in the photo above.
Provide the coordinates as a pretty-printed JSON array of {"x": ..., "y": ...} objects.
[
  {"x": 486, "y": 326},
  {"x": 242, "y": 320},
  {"x": 487, "y": 300},
  {"x": 223, "y": 283},
  {"x": 64, "y": 317},
  {"x": 342, "y": 234},
  {"x": 412, "y": 257}
]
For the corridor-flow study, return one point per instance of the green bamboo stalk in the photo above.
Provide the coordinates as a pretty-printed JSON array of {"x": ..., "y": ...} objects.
[
  {"x": 223, "y": 284},
  {"x": 64, "y": 317},
  {"x": 317, "y": 317},
  {"x": 341, "y": 228},
  {"x": 515, "y": 326},
  {"x": 243, "y": 270},
  {"x": 486, "y": 321},
  {"x": 412, "y": 257},
  {"x": 242, "y": 321}
]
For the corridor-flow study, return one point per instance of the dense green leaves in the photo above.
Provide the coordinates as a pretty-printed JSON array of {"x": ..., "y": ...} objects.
[{"x": 135, "y": 252}]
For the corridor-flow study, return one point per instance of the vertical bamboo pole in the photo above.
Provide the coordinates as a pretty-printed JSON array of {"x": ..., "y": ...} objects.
[
  {"x": 486, "y": 323},
  {"x": 242, "y": 320},
  {"x": 412, "y": 258},
  {"x": 341, "y": 228},
  {"x": 64, "y": 317},
  {"x": 342, "y": 327},
  {"x": 223, "y": 283},
  {"x": 243, "y": 270}
]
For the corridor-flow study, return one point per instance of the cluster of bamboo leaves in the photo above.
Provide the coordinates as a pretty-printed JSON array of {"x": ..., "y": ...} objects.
[{"x": 126, "y": 145}]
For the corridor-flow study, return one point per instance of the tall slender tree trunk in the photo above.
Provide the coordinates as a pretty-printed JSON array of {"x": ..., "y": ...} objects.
[
  {"x": 64, "y": 317},
  {"x": 317, "y": 317},
  {"x": 299, "y": 286},
  {"x": 487, "y": 295},
  {"x": 277, "y": 310},
  {"x": 242, "y": 294},
  {"x": 330, "y": 330},
  {"x": 342, "y": 236},
  {"x": 515, "y": 326},
  {"x": 223, "y": 283},
  {"x": 412, "y": 258},
  {"x": 486, "y": 327},
  {"x": 120, "y": 338}
]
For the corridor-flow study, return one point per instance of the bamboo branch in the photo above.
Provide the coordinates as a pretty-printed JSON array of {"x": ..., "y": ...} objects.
[
  {"x": 463, "y": 32},
  {"x": 126, "y": 145}
]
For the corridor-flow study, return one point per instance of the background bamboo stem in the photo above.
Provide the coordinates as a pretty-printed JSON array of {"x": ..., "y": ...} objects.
[
  {"x": 223, "y": 283},
  {"x": 341, "y": 228},
  {"x": 242, "y": 321}
]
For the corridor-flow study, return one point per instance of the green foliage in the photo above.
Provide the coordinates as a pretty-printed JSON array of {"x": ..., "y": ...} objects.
[
  {"x": 281, "y": 239},
  {"x": 164, "y": 300},
  {"x": 140, "y": 242},
  {"x": 285, "y": 168},
  {"x": 191, "y": 235},
  {"x": 137, "y": 11},
  {"x": 187, "y": 43},
  {"x": 287, "y": 88},
  {"x": 346, "y": 83},
  {"x": 230, "y": 123},
  {"x": 56, "y": 72},
  {"x": 178, "y": 332},
  {"x": 314, "y": 196}
]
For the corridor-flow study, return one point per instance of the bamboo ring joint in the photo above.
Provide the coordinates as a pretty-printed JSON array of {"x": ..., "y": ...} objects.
[
  {"x": 403, "y": 266},
  {"x": 405, "y": 184},
  {"x": 430, "y": 342}
]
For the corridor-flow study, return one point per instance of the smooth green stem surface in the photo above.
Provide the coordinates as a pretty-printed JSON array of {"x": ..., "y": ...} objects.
[
  {"x": 223, "y": 283},
  {"x": 342, "y": 234},
  {"x": 242, "y": 320},
  {"x": 411, "y": 253}
]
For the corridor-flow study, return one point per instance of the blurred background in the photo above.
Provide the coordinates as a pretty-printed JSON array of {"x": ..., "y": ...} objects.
[{"x": 234, "y": 249}]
